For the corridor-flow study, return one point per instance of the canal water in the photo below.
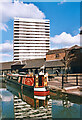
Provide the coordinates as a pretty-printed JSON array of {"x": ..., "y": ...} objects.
[{"x": 16, "y": 103}]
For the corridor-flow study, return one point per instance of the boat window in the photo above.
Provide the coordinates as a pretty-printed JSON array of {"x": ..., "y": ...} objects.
[
  {"x": 40, "y": 80},
  {"x": 9, "y": 77},
  {"x": 15, "y": 78},
  {"x": 21, "y": 80},
  {"x": 34, "y": 80}
]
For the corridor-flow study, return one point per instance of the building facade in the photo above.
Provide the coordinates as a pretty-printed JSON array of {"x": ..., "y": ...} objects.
[
  {"x": 54, "y": 55},
  {"x": 31, "y": 38}
]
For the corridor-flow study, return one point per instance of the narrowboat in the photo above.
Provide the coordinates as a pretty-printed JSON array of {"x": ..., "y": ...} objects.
[
  {"x": 32, "y": 82},
  {"x": 28, "y": 96}
]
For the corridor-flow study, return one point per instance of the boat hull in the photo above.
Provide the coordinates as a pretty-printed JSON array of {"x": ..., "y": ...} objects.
[
  {"x": 21, "y": 86},
  {"x": 25, "y": 87}
]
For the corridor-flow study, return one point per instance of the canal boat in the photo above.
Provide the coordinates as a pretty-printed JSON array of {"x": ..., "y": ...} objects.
[
  {"x": 28, "y": 97},
  {"x": 32, "y": 82}
]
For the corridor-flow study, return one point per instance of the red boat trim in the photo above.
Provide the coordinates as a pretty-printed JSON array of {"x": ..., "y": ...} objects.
[{"x": 41, "y": 93}]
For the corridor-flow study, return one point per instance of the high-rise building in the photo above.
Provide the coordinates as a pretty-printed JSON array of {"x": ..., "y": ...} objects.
[{"x": 31, "y": 38}]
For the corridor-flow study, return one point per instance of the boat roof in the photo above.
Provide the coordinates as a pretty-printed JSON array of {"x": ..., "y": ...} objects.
[{"x": 18, "y": 75}]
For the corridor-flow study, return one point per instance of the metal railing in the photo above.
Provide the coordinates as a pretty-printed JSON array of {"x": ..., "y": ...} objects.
[{"x": 71, "y": 80}]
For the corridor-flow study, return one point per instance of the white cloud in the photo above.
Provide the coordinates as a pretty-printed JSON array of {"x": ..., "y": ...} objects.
[
  {"x": 4, "y": 1},
  {"x": 5, "y": 57},
  {"x": 54, "y": 48},
  {"x": 80, "y": 29},
  {"x": 65, "y": 40},
  {"x": 10, "y": 10},
  {"x": 6, "y": 47},
  {"x": 6, "y": 50},
  {"x": 3, "y": 27},
  {"x": 61, "y": 2}
]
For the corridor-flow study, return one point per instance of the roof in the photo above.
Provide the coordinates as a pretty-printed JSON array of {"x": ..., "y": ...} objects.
[
  {"x": 6, "y": 65},
  {"x": 81, "y": 32},
  {"x": 58, "y": 63},
  {"x": 63, "y": 50},
  {"x": 30, "y": 19},
  {"x": 34, "y": 63},
  {"x": 74, "y": 47},
  {"x": 37, "y": 63},
  {"x": 56, "y": 51}
]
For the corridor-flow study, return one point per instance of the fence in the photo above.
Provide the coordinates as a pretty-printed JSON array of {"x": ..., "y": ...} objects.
[{"x": 71, "y": 80}]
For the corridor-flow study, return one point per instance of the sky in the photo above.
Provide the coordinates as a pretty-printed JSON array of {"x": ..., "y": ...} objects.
[{"x": 64, "y": 19}]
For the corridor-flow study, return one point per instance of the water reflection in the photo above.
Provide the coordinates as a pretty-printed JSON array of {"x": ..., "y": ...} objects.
[
  {"x": 6, "y": 104},
  {"x": 26, "y": 106},
  {"x": 0, "y": 107},
  {"x": 65, "y": 109},
  {"x": 28, "y": 96}
]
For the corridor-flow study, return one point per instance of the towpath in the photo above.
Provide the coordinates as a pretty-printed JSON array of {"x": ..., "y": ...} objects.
[{"x": 55, "y": 84}]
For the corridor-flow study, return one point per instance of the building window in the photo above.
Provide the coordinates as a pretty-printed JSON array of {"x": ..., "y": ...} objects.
[{"x": 57, "y": 56}]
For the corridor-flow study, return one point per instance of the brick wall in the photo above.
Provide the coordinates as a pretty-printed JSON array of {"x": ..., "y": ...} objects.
[{"x": 55, "y": 56}]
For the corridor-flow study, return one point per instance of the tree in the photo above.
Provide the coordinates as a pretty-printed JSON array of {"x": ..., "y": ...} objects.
[{"x": 72, "y": 58}]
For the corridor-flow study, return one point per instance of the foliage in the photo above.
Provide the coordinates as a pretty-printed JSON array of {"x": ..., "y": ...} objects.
[{"x": 73, "y": 57}]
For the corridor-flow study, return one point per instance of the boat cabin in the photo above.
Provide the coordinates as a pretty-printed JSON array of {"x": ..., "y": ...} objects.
[{"x": 29, "y": 80}]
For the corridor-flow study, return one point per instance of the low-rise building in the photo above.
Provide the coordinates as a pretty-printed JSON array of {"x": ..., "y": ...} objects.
[
  {"x": 70, "y": 57},
  {"x": 57, "y": 54},
  {"x": 56, "y": 60}
]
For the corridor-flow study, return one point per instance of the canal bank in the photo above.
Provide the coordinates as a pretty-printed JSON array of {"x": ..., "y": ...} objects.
[{"x": 70, "y": 86}]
